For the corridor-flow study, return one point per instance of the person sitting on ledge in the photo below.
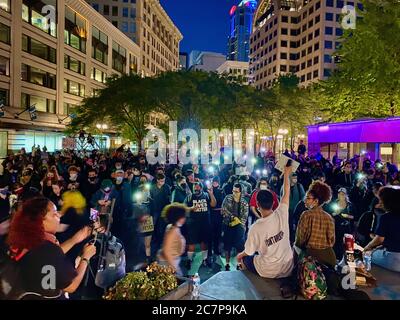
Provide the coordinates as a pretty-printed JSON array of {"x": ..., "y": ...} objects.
[
  {"x": 269, "y": 236},
  {"x": 316, "y": 229},
  {"x": 387, "y": 231}
]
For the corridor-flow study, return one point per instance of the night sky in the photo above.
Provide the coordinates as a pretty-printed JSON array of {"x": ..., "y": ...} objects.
[{"x": 203, "y": 23}]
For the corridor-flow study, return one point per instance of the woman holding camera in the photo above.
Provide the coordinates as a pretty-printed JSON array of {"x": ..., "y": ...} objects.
[{"x": 45, "y": 269}]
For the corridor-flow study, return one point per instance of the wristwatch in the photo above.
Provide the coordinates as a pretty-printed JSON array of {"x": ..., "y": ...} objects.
[{"x": 86, "y": 260}]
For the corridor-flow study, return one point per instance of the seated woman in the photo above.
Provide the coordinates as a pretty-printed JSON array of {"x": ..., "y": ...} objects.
[
  {"x": 34, "y": 246},
  {"x": 174, "y": 243},
  {"x": 387, "y": 231},
  {"x": 316, "y": 229}
]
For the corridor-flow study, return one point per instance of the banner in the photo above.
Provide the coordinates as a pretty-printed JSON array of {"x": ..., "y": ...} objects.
[{"x": 68, "y": 143}]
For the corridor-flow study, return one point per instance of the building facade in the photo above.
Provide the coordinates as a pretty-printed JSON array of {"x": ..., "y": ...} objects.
[
  {"x": 53, "y": 53},
  {"x": 238, "y": 69},
  {"x": 297, "y": 36},
  {"x": 146, "y": 23},
  {"x": 241, "y": 21},
  {"x": 183, "y": 61},
  {"x": 207, "y": 61}
]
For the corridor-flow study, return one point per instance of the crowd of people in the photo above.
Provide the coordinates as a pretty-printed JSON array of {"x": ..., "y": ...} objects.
[{"x": 167, "y": 212}]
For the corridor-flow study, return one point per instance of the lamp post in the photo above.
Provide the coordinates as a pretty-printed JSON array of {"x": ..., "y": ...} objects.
[{"x": 101, "y": 127}]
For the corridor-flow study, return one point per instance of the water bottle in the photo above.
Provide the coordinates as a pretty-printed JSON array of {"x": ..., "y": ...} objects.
[
  {"x": 367, "y": 260},
  {"x": 196, "y": 287}
]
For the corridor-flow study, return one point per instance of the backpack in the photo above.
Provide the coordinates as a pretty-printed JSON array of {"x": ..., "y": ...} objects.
[
  {"x": 312, "y": 282},
  {"x": 112, "y": 264}
]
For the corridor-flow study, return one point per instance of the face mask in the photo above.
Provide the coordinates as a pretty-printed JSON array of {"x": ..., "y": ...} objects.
[
  {"x": 119, "y": 180},
  {"x": 73, "y": 176},
  {"x": 183, "y": 185},
  {"x": 263, "y": 187},
  {"x": 179, "y": 225}
]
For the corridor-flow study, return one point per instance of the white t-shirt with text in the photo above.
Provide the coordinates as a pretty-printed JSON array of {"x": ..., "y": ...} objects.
[{"x": 270, "y": 238}]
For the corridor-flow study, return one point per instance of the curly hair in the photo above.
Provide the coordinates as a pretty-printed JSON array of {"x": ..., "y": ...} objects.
[
  {"x": 26, "y": 229},
  {"x": 320, "y": 191},
  {"x": 390, "y": 199},
  {"x": 173, "y": 212}
]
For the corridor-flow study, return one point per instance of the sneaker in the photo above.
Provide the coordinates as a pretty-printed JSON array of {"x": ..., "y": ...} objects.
[
  {"x": 227, "y": 267},
  {"x": 188, "y": 264}
]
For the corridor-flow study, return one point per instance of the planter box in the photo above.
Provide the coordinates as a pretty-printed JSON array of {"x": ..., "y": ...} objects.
[{"x": 184, "y": 289}]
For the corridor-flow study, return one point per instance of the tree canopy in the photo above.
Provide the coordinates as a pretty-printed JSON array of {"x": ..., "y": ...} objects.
[{"x": 196, "y": 100}]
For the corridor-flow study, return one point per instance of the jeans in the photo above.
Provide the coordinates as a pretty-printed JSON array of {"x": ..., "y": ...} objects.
[
  {"x": 216, "y": 231},
  {"x": 386, "y": 259}
]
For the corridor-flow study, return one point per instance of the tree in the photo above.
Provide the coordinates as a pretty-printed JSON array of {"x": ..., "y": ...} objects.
[
  {"x": 126, "y": 103},
  {"x": 285, "y": 104},
  {"x": 367, "y": 82}
]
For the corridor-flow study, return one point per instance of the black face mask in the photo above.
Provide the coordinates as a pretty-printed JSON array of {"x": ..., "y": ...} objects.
[{"x": 183, "y": 185}]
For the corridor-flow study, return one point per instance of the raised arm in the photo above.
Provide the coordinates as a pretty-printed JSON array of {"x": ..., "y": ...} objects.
[{"x": 286, "y": 185}]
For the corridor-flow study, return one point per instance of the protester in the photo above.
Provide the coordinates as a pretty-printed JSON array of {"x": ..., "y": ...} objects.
[
  {"x": 160, "y": 195},
  {"x": 317, "y": 242},
  {"x": 387, "y": 232},
  {"x": 269, "y": 237},
  {"x": 34, "y": 246},
  {"x": 200, "y": 204},
  {"x": 234, "y": 212},
  {"x": 296, "y": 195},
  {"x": 174, "y": 243}
]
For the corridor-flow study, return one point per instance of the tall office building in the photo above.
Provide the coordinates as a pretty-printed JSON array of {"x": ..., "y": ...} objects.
[
  {"x": 146, "y": 23},
  {"x": 295, "y": 36},
  {"x": 53, "y": 53},
  {"x": 241, "y": 20}
]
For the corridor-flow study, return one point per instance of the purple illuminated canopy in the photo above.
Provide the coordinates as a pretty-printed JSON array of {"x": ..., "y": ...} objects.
[{"x": 358, "y": 131}]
